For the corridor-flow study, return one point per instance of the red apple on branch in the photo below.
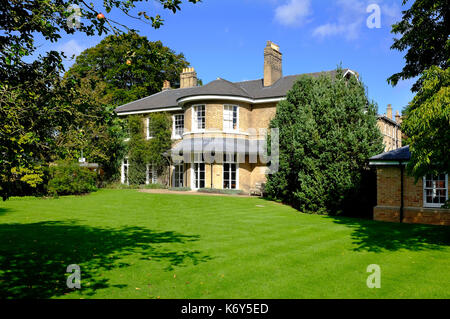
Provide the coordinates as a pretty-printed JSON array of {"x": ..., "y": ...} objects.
[{"x": 100, "y": 16}]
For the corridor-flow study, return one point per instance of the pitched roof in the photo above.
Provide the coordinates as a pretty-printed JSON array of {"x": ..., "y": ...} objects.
[
  {"x": 248, "y": 89},
  {"x": 400, "y": 154}
]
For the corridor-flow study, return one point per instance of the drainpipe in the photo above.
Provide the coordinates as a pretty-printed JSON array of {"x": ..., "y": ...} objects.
[
  {"x": 211, "y": 175},
  {"x": 401, "y": 191}
]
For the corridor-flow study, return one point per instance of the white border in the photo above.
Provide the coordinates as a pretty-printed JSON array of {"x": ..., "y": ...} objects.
[
  {"x": 192, "y": 119},
  {"x": 237, "y": 118},
  {"x": 185, "y": 100},
  {"x": 167, "y": 109},
  {"x": 432, "y": 205}
]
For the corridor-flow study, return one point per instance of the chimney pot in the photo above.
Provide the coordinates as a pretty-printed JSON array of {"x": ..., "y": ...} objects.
[
  {"x": 188, "y": 78},
  {"x": 166, "y": 85}
]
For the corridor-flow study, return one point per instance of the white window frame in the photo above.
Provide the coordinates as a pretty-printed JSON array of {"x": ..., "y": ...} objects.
[
  {"x": 235, "y": 161},
  {"x": 232, "y": 115},
  {"x": 435, "y": 205},
  {"x": 193, "y": 172},
  {"x": 148, "y": 129},
  {"x": 174, "y": 128},
  {"x": 195, "y": 117},
  {"x": 178, "y": 176},
  {"x": 122, "y": 171},
  {"x": 154, "y": 175}
]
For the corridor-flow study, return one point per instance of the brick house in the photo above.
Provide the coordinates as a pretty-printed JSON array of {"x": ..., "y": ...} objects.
[
  {"x": 399, "y": 198},
  {"x": 223, "y": 117}
]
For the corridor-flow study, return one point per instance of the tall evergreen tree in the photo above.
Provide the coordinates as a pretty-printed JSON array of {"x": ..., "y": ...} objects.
[{"x": 328, "y": 131}]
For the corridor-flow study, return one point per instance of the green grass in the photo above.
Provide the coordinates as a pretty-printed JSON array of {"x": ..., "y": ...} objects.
[{"x": 138, "y": 245}]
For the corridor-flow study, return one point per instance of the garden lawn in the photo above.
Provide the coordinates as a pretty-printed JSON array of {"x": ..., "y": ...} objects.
[{"x": 138, "y": 245}]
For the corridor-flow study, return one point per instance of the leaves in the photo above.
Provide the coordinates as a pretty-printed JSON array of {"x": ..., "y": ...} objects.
[
  {"x": 327, "y": 132},
  {"x": 424, "y": 34},
  {"x": 427, "y": 124}
]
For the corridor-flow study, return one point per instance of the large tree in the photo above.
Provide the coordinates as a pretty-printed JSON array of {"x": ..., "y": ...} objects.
[
  {"x": 424, "y": 31},
  {"x": 327, "y": 131},
  {"x": 427, "y": 124},
  {"x": 128, "y": 66},
  {"x": 34, "y": 104}
]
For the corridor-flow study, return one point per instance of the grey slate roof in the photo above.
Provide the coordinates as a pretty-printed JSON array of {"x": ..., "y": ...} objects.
[
  {"x": 384, "y": 117},
  {"x": 247, "y": 89},
  {"x": 400, "y": 154}
]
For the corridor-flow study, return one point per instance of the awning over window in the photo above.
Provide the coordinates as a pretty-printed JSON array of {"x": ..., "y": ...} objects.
[{"x": 220, "y": 145}]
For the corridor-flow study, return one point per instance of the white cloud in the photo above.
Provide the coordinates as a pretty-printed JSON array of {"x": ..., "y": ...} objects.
[
  {"x": 293, "y": 13},
  {"x": 349, "y": 19},
  {"x": 71, "y": 48},
  {"x": 391, "y": 14}
]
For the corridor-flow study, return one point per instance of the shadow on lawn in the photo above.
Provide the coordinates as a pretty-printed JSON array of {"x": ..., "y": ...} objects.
[
  {"x": 4, "y": 211},
  {"x": 376, "y": 236},
  {"x": 34, "y": 257}
]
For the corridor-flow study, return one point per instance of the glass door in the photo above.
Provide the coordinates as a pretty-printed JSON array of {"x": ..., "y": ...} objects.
[{"x": 198, "y": 178}]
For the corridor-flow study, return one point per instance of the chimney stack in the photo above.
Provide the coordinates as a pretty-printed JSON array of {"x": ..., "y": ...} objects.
[
  {"x": 166, "y": 85},
  {"x": 389, "y": 111},
  {"x": 188, "y": 78},
  {"x": 398, "y": 118},
  {"x": 272, "y": 63}
]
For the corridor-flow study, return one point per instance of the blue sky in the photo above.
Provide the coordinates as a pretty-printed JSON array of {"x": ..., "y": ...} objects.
[{"x": 226, "y": 38}]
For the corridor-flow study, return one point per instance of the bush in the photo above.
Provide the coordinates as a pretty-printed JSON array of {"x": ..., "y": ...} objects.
[
  {"x": 68, "y": 178},
  {"x": 221, "y": 191},
  {"x": 180, "y": 189},
  {"x": 153, "y": 186},
  {"x": 327, "y": 131}
]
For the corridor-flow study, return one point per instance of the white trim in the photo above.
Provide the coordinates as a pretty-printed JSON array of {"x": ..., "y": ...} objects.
[
  {"x": 148, "y": 129},
  {"x": 184, "y": 100},
  {"x": 193, "y": 173},
  {"x": 350, "y": 71},
  {"x": 237, "y": 171},
  {"x": 387, "y": 163},
  {"x": 194, "y": 123},
  {"x": 213, "y": 132},
  {"x": 168, "y": 109},
  {"x": 176, "y": 136},
  {"x": 154, "y": 175},
  {"x": 122, "y": 171},
  {"x": 433, "y": 205},
  {"x": 174, "y": 177},
  {"x": 237, "y": 118},
  {"x": 269, "y": 100}
]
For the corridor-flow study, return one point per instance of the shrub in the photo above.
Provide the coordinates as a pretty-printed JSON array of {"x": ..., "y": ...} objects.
[
  {"x": 221, "y": 191},
  {"x": 327, "y": 131},
  {"x": 153, "y": 186},
  {"x": 180, "y": 189},
  {"x": 68, "y": 178}
]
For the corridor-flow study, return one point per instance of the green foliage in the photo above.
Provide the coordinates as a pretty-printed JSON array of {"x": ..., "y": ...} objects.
[
  {"x": 143, "y": 151},
  {"x": 30, "y": 115},
  {"x": 49, "y": 18},
  {"x": 180, "y": 189},
  {"x": 95, "y": 129},
  {"x": 153, "y": 186},
  {"x": 221, "y": 191},
  {"x": 69, "y": 178},
  {"x": 427, "y": 124},
  {"x": 35, "y": 107},
  {"x": 137, "y": 151},
  {"x": 160, "y": 124},
  {"x": 127, "y": 67},
  {"x": 327, "y": 131},
  {"x": 424, "y": 31}
]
